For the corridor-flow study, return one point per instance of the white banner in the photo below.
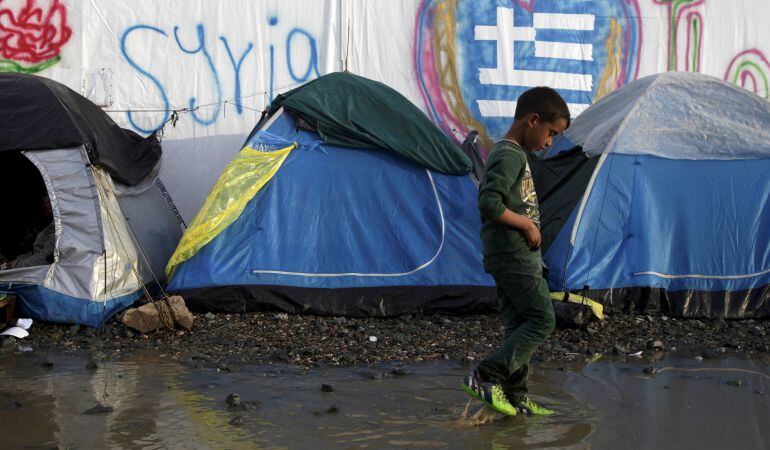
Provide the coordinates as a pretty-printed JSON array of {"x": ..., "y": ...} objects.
[{"x": 205, "y": 69}]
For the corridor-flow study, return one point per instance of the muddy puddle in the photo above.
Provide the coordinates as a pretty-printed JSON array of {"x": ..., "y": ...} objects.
[{"x": 681, "y": 403}]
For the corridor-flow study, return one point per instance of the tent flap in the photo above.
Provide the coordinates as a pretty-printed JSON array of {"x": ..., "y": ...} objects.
[{"x": 353, "y": 111}]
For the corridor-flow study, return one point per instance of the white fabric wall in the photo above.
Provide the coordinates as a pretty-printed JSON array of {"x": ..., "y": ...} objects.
[{"x": 214, "y": 64}]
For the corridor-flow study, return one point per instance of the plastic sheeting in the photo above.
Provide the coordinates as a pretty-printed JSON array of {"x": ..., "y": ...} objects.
[
  {"x": 40, "y": 114},
  {"x": 246, "y": 174},
  {"x": 677, "y": 115}
]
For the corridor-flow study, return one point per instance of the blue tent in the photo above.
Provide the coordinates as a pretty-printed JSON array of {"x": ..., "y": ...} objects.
[
  {"x": 659, "y": 196},
  {"x": 336, "y": 230}
]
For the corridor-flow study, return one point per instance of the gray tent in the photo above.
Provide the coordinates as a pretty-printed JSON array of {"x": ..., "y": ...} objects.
[{"x": 112, "y": 238}]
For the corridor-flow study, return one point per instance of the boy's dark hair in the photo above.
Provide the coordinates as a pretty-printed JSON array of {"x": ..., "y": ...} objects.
[{"x": 544, "y": 101}]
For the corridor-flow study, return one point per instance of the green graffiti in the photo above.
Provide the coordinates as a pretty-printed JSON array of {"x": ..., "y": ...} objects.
[
  {"x": 7, "y": 65},
  {"x": 675, "y": 8},
  {"x": 745, "y": 65},
  {"x": 695, "y": 26}
]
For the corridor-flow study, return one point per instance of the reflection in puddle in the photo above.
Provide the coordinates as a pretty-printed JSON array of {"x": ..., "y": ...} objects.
[{"x": 158, "y": 404}]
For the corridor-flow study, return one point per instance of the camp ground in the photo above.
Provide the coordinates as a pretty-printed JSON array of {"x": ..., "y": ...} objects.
[{"x": 399, "y": 224}]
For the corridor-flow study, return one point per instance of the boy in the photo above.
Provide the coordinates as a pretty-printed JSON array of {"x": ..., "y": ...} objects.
[{"x": 511, "y": 237}]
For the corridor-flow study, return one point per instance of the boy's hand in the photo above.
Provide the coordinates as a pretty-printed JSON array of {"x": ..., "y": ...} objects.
[{"x": 532, "y": 234}]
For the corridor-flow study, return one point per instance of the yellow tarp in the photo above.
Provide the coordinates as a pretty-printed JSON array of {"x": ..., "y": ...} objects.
[
  {"x": 596, "y": 308},
  {"x": 246, "y": 174}
]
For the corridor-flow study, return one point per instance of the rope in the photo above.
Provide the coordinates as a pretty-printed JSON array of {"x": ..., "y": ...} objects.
[{"x": 165, "y": 312}]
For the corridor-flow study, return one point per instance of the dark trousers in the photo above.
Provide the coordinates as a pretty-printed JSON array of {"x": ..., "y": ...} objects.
[{"x": 527, "y": 315}]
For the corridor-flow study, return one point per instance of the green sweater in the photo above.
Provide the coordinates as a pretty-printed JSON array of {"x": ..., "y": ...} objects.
[{"x": 507, "y": 184}]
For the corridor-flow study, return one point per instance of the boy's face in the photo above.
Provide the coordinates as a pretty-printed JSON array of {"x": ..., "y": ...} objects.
[{"x": 539, "y": 133}]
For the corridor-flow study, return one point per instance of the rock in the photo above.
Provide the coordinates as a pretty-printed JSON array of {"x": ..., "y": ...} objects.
[
  {"x": 327, "y": 388},
  {"x": 91, "y": 365},
  {"x": 699, "y": 358},
  {"x": 47, "y": 364},
  {"x": 618, "y": 350},
  {"x": 100, "y": 408},
  {"x": 74, "y": 329},
  {"x": 209, "y": 316},
  {"x": 736, "y": 383},
  {"x": 147, "y": 318},
  {"x": 9, "y": 342},
  {"x": 15, "y": 405},
  {"x": 333, "y": 409},
  {"x": 399, "y": 372},
  {"x": 282, "y": 316},
  {"x": 182, "y": 316},
  {"x": 709, "y": 355},
  {"x": 372, "y": 375},
  {"x": 759, "y": 392},
  {"x": 237, "y": 421},
  {"x": 142, "y": 319},
  {"x": 654, "y": 344},
  {"x": 233, "y": 400},
  {"x": 649, "y": 370}
]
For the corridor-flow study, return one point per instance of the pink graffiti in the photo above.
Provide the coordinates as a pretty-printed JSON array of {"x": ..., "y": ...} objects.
[{"x": 529, "y": 5}]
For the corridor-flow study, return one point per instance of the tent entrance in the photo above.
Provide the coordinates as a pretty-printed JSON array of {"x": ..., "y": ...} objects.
[{"x": 27, "y": 236}]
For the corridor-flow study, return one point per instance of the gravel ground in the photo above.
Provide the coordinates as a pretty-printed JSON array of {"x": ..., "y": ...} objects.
[{"x": 227, "y": 340}]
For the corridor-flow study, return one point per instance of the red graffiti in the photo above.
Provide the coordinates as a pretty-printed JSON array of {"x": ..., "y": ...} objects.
[{"x": 35, "y": 33}]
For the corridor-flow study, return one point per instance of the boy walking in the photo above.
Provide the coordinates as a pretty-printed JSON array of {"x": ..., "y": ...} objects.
[{"x": 511, "y": 238}]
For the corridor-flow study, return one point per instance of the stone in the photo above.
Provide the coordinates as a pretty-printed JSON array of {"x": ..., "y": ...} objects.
[
  {"x": 333, "y": 409},
  {"x": 182, "y": 316},
  {"x": 91, "y": 365},
  {"x": 373, "y": 375},
  {"x": 237, "y": 421},
  {"x": 736, "y": 383},
  {"x": 399, "y": 372},
  {"x": 146, "y": 318},
  {"x": 209, "y": 316},
  {"x": 100, "y": 408},
  {"x": 649, "y": 371},
  {"x": 654, "y": 344},
  {"x": 327, "y": 388},
  {"x": 142, "y": 319},
  {"x": 233, "y": 400}
]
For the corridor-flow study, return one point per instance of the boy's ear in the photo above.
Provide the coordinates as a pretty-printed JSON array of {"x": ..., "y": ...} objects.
[{"x": 533, "y": 117}]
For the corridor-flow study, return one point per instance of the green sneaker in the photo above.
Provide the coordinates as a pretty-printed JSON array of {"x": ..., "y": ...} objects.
[
  {"x": 527, "y": 406},
  {"x": 491, "y": 394}
]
